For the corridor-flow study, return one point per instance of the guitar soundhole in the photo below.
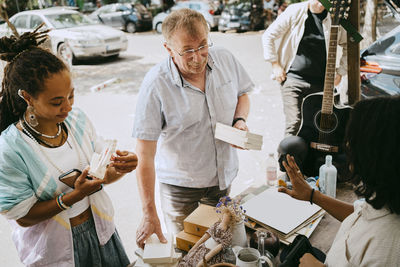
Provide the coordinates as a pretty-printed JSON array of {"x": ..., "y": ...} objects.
[{"x": 325, "y": 123}]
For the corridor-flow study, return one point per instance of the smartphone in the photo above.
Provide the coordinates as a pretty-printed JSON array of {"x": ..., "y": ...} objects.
[{"x": 70, "y": 177}]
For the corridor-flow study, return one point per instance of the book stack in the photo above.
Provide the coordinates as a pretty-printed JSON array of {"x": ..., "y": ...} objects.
[
  {"x": 157, "y": 254},
  {"x": 195, "y": 226},
  {"x": 282, "y": 214},
  {"x": 238, "y": 137}
]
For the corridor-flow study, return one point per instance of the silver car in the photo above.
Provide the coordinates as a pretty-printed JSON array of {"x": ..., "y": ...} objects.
[
  {"x": 206, "y": 9},
  {"x": 73, "y": 35}
]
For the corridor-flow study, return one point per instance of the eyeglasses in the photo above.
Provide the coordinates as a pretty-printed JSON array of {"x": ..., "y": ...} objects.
[{"x": 191, "y": 52}]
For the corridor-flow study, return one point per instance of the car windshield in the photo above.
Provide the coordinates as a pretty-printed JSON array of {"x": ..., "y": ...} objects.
[{"x": 69, "y": 20}]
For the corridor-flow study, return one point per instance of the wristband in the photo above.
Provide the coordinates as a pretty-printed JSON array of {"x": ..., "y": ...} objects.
[
  {"x": 312, "y": 194},
  {"x": 60, "y": 203},
  {"x": 235, "y": 120}
]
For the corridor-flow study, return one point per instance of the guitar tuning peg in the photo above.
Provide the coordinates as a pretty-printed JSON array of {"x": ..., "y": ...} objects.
[
  {"x": 345, "y": 16},
  {"x": 347, "y": 9},
  {"x": 341, "y": 9},
  {"x": 348, "y": 2}
]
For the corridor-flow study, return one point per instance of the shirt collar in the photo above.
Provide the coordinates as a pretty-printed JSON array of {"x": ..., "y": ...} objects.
[
  {"x": 177, "y": 77},
  {"x": 370, "y": 213}
]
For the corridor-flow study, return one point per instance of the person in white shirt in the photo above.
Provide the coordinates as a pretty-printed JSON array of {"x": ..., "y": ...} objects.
[{"x": 370, "y": 232}]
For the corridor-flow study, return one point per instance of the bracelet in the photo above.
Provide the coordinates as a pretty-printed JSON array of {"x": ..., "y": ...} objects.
[
  {"x": 235, "y": 120},
  {"x": 60, "y": 203},
  {"x": 312, "y": 194}
]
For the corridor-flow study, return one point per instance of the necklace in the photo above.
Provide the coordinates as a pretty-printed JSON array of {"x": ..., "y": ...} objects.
[
  {"x": 75, "y": 143},
  {"x": 42, "y": 134},
  {"x": 31, "y": 134}
]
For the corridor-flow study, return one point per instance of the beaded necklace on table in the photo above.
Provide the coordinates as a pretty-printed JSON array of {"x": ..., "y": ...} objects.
[{"x": 81, "y": 164}]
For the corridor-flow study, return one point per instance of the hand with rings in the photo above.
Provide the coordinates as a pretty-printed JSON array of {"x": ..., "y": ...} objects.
[{"x": 300, "y": 188}]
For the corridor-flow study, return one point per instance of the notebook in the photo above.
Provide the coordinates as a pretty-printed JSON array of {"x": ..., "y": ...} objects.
[{"x": 279, "y": 211}]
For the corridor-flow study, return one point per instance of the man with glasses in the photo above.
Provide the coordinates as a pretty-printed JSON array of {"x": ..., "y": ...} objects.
[{"x": 179, "y": 103}]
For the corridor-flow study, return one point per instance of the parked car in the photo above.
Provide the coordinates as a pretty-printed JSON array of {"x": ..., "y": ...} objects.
[
  {"x": 206, "y": 9},
  {"x": 380, "y": 66},
  {"x": 73, "y": 35},
  {"x": 128, "y": 17},
  {"x": 235, "y": 17}
]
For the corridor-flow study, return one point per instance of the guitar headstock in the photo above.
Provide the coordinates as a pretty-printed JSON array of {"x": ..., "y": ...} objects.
[{"x": 339, "y": 10}]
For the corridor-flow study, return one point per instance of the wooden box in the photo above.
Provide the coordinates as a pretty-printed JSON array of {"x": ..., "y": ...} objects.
[
  {"x": 202, "y": 218},
  {"x": 185, "y": 241}
]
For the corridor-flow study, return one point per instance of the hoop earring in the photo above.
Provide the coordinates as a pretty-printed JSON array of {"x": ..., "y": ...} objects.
[
  {"x": 31, "y": 116},
  {"x": 20, "y": 94}
]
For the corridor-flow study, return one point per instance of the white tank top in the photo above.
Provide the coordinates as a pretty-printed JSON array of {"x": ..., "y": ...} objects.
[{"x": 66, "y": 158}]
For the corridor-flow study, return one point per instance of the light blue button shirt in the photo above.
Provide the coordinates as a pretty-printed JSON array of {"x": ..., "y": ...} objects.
[{"x": 182, "y": 118}]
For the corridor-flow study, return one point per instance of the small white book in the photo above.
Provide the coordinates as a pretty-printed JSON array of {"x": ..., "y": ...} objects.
[
  {"x": 157, "y": 252},
  {"x": 238, "y": 137}
]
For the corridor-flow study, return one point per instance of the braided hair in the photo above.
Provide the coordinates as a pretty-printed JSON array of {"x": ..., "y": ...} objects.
[{"x": 27, "y": 69}]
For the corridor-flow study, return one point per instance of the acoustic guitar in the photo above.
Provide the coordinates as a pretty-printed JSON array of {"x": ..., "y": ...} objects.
[{"x": 323, "y": 121}]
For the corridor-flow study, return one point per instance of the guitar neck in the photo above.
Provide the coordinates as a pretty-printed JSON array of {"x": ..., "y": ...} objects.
[{"x": 327, "y": 100}]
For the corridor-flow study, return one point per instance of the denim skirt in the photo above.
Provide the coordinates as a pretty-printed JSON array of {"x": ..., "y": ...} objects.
[{"x": 89, "y": 253}]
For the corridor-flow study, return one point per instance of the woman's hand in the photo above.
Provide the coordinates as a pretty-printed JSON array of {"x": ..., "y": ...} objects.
[
  {"x": 124, "y": 162},
  {"x": 84, "y": 186},
  {"x": 300, "y": 188}
]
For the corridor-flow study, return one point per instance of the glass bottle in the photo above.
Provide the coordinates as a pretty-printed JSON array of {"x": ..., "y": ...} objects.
[
  {"x": 271, "y": 166},
  {"x": 327, "y": 177}
]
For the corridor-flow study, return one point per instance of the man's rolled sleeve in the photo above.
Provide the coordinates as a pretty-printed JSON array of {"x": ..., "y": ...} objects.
[
  {"x": 243, "y": 78},
  {"x": 148, "y": 119}
]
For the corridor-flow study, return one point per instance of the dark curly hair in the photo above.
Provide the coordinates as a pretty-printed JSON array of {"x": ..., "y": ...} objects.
[
  {"x": 27, "y": 68},
  {"x": 373, "y": 151}
]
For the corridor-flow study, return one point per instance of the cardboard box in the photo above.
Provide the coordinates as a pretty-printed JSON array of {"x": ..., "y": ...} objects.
[
  {"x": 185, "y": 241},
  {"x": 202, "y": 218}
]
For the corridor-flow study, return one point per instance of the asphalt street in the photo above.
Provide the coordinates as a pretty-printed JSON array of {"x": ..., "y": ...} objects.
[{"x": 112, "y": 110}]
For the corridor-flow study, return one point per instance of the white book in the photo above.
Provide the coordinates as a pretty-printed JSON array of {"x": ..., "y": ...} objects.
[
  {"x": 229, "y": 129},
  {"x": 157, "y": 252},
  {"x": 238, "y": 137}
]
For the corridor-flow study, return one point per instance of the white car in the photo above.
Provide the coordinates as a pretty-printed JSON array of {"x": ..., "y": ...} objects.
[
  {"x": 202, "y": 7},
  {"x": 72, "y": 35}
]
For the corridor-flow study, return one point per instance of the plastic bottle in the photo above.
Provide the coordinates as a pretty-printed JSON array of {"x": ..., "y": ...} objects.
[
  {"x": 327, "y": 177},
  {"x": 271, "y": 167}
]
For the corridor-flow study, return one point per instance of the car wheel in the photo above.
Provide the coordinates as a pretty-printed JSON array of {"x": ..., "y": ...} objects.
[
  {"x": 65, "y": 53},
  {"x": 159, "y": 27},
  {"x": 130, "y": 27}
]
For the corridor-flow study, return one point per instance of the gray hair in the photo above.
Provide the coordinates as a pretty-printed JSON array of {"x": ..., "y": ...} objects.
[{"x": 183, "y": 19}]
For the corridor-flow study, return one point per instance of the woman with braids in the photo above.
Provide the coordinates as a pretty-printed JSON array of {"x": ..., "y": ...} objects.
[
  {"x": 370, "y": 230},
  {"x": 42, "y": 137}
]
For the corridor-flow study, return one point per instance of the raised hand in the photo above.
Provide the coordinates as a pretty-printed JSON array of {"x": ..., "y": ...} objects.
[{"x": 300, "y": 188}]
